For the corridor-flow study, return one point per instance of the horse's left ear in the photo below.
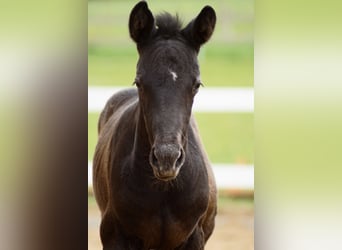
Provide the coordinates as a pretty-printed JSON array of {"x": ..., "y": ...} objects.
[
  {"x": 141, "y": 22},
  {"x": 199, "y": 30}
]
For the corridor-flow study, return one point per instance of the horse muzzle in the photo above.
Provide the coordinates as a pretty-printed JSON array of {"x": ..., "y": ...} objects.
[{"x": 166, "y": 161}]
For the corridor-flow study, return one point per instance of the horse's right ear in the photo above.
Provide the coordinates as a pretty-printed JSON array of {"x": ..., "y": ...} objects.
[{"x": 141, "y": 22}]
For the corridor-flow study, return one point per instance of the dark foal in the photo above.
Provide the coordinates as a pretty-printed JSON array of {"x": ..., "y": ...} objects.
[{"x": 152, "y": 179}]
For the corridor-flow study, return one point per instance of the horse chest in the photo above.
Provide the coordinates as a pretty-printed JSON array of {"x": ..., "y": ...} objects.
[{"x": 160, "y": 218}]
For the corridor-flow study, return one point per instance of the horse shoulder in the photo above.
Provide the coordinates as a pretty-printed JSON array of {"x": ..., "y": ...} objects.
[
  {"x": 109, "y": 121},
  {"x": 207, "y": 222},
  {"x": 115, "y": 102}
]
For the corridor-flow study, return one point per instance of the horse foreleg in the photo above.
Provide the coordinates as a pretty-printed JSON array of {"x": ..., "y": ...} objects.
[
  {"x": 113, "y": 237},
  {"x": 110, "y": 234},
  {"x": 195, "y": 241}
]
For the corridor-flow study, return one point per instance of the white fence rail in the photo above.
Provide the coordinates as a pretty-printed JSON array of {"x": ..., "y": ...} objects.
[
  {"x": 228, "y": 176},
  {"x": 207, "y": 99}
]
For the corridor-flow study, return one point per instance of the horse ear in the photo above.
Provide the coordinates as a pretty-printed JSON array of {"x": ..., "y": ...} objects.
[
  {"x": 199, "y": 30},
  {"x": 141, "y": 22}
]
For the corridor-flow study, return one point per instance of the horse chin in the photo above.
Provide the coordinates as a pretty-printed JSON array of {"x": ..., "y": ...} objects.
[{"x": 165, "y": 177}]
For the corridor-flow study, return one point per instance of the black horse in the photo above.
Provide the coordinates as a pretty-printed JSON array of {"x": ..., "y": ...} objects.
[{"x": 152, "y": 179}]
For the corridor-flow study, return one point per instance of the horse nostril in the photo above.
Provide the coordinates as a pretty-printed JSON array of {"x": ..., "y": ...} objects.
[
  {"x": 154, "y": 159},
  {"x": 180, "y": 159}
]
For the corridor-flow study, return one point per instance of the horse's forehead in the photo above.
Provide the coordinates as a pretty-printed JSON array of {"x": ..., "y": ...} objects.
[
  {"x": 169, "y": 51},
  {"x": 169, "y": 58}
]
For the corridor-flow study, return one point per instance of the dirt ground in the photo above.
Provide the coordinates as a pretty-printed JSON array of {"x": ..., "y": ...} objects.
[{"x": 234, "y": 226}]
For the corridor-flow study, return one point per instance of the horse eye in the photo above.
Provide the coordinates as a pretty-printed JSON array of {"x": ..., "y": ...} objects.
[
  {"x": 136, "y": 83},
  {"x": 196, "y": 86}
]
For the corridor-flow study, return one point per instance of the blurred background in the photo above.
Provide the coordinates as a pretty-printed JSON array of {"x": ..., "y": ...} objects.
[
  {"x": 223, "y": 108},
  {"x": 297, "y": 117}
]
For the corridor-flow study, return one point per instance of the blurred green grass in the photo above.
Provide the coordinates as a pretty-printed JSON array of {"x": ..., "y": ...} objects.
[
  {"x": 228, "y": 137},
  {"x": 226, "y": 61},
  {"x": 108, "y": 20}
]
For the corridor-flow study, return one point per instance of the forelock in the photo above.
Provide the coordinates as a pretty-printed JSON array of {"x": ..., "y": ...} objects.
[{"x": 168, "y": 25}]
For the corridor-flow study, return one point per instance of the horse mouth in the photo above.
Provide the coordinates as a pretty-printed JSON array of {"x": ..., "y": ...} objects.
[
  {"x": 166, "y": 178},
  {"x": 170, "y": 175}
]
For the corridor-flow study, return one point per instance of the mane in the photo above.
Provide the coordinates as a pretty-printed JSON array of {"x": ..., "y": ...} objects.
[{"x": 168, "y": 25}]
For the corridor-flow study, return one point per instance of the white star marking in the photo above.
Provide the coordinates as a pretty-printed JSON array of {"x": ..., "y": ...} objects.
[{"x": 173, "y": 74}]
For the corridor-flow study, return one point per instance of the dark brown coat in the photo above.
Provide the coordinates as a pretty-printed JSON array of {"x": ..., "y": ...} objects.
[{"x": 152, "y": 179}]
